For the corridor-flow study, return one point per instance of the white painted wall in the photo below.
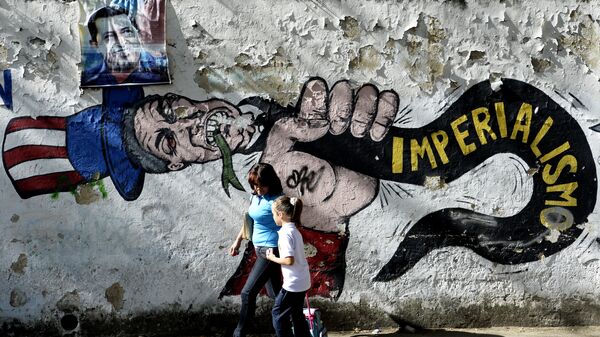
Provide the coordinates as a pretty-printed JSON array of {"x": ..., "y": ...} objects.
[{"x": 167, "y": 250}]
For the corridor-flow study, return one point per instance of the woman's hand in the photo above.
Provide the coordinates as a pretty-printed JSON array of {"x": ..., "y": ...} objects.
[{"x": 235, "y": 248}]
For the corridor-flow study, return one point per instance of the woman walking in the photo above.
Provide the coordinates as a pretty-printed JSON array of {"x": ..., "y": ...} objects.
[{"x": 266, "y": 187}]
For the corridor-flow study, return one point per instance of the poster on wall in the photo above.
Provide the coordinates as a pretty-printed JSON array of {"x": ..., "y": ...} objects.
[{"x": 123, "y": 42}]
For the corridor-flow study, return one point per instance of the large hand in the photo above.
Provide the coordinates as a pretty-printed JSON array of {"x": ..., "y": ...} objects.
[{"x": 331, "y": 194}]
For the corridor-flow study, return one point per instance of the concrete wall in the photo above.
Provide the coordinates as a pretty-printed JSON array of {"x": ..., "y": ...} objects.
[{"x": 462, "y": 191}]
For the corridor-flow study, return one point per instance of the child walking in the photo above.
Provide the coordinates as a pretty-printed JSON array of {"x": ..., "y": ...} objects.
[{"x": 296, "y": 277}]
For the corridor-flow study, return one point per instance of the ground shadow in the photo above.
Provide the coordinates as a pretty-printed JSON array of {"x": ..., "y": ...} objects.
[{"x": 429, "y": 333}]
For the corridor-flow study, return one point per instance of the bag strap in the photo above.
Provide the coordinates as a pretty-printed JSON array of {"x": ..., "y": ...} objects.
[{"x": 310, "y": 315}]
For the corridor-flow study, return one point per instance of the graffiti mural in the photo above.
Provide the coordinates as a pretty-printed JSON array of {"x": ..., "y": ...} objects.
[
  {"x": 333, "y": 148},
  {"x": 518, "y": 119}
]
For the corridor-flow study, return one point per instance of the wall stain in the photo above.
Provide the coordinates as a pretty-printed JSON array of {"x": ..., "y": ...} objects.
[
  {"x": 15, "y": 218},
  {"x": 3, "y": 57},
  {"x": 88, "y": 193},
  {"x": 350, "y": 27},
  {"x": 44, "y": 60},
  {"x": 201, "y": 36},
  {"x": 540, "y": 65},
  {"x": 424, "y": 44},
  {"x": 37, "y": 41},
  {"x": 368, "y": 59},
  {"x": 271, "y": 78},
  {"x": 70, "y": 302},
  {"x": 114, "y": 295},
  {"x": 18, "y": 298},
  {"x": 19, "y": 266},
  {"x": 460, "y": 3},
  {"x": 434, "y": 183},
  {"x": 582, "y": 41},
  {"x": 390, "y": 49},
  {"x": 475, "y": 55},
  {"x": 200, "y": 58}
]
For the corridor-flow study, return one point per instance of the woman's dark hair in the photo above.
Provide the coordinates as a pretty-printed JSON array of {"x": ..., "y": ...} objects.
[{"x": 264, "y": 174}]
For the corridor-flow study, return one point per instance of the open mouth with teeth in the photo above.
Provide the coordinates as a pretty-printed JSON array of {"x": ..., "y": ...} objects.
[{"x": 219, "y": 121}]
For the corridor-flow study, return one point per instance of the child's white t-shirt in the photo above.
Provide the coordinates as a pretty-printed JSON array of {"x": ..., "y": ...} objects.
[{"x": 296, "y": 278}]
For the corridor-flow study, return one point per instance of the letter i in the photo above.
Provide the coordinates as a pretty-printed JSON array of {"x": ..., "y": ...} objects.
[{"x": 397, "y": 155}]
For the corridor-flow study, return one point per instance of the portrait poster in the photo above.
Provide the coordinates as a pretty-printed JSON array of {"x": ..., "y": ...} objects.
[{"x": 123, "y": 43}]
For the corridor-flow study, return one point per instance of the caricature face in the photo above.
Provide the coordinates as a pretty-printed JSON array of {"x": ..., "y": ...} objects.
[
  {"x": 180, "y": 130},
  {"x": 118, "y": 41}
]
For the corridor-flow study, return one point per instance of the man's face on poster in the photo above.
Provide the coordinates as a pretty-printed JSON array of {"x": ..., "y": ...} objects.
[
  {"x": 179, "y": 130},
  {"x": 119, "y": 43}
]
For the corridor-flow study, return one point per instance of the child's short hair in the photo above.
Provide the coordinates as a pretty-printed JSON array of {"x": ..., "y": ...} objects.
[{"x": 291, "y": 207}]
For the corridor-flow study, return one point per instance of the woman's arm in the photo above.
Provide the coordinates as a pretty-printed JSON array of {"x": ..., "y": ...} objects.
[{"x": 235, "y": 247}]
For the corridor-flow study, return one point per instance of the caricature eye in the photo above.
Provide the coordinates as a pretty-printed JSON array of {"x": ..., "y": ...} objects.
[{"x": 169, "y": 144}]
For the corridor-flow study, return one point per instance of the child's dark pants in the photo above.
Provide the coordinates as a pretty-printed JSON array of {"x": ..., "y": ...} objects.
[{"x": 289, "y": 305}]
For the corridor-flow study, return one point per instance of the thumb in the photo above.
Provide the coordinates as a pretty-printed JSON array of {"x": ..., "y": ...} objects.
[{"x": 313, "y": 100}]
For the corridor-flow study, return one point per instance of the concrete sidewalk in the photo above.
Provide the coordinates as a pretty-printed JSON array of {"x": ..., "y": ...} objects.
[{"x": 589, "y": 331}]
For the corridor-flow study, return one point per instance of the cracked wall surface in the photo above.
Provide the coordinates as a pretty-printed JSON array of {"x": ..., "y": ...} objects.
[{"x": 91, "y": 254}]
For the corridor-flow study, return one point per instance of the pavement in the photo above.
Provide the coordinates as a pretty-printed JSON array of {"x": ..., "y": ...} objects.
[
  {"x": 588, "y": 331},
  {"x": 584, "y": 331}
]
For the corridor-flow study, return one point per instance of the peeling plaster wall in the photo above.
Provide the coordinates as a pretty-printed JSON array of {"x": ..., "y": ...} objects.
[{"x": 166, "y": 251}]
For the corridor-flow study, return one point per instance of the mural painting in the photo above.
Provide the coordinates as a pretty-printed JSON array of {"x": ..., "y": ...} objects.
[
  {"x": 123, "y": 43},
  {"x": 333, "y": 148}
]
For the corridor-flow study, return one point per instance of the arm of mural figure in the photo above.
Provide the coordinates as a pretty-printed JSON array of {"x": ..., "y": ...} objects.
[{"x": 331, "y": 193}]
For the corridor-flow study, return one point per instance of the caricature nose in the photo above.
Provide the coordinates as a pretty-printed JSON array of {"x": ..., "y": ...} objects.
[
  {"x": 193, "y": 126},
  {"x": 188, "y": 123}
]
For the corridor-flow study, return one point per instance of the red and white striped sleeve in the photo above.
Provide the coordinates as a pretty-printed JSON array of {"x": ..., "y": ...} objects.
[{"x": 35, "y": 156}]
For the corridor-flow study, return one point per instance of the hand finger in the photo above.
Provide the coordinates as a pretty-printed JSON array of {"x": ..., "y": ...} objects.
[
  {"x": 340, "y": 107},
  {"x": 313, "y": 100},
  {"x": 387, "y": 107},
  {"x": 364, "y": 110}
]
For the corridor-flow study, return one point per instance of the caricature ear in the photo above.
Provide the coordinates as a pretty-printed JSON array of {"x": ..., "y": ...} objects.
[{"x": 175, "y": 166}]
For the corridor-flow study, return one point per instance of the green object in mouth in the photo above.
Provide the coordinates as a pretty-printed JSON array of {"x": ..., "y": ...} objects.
[{"x": 228, "y": 176}]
